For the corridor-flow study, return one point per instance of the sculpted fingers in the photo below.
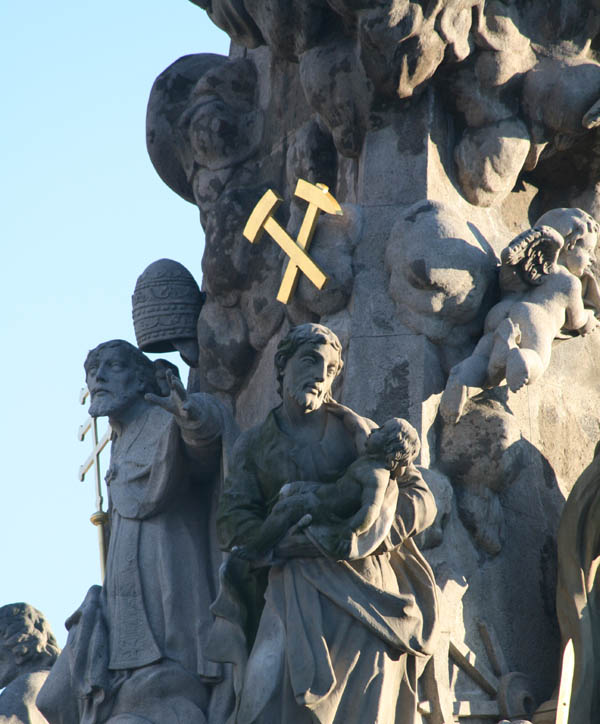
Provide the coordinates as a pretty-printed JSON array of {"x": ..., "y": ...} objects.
[
  {"x": 176, "y": 386},
  {"x": 163, "y": 402}
]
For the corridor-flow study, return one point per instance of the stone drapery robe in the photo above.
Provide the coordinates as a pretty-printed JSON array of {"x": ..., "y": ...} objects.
[
  {"x": 578, "y": 591},
  {"x": 137, "y": 647},
  {"x": 160, "y": 572},
  {"x": 337, "y": 641}
]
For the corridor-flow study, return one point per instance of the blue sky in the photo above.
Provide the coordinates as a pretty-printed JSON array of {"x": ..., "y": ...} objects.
[{"x": 82, "y": 213}]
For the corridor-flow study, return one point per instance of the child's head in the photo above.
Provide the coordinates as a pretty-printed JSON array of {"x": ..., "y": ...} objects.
[
  {"x": 580, "y": 231},
  {"x": 396, "y": 441}
]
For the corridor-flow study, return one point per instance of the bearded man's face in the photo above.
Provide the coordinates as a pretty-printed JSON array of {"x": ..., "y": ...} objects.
[
  {"x": 309, "y": 375},
  {"x": 113, "y": 382}
]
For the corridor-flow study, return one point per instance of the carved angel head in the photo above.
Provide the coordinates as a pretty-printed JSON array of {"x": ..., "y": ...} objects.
[{"x": 580, "y": 232}]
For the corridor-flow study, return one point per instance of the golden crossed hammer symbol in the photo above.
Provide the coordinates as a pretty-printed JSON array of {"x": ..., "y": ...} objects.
[{"x": 261, "y": 219}]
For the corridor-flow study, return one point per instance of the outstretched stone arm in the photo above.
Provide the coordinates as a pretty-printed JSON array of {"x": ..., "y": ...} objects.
[{"x": 200, "y": 420}]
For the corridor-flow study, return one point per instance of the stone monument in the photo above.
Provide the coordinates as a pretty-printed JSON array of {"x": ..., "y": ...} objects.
[
  {"x": 416, "y": 183},
  {"x": 444, "y": 130}
]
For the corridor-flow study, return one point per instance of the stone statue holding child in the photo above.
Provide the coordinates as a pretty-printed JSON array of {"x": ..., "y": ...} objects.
[{"x": 344, "y": 627}]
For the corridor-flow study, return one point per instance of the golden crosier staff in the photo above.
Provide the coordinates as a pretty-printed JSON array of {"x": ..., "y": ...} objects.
[{"x": 100, "y": 517}]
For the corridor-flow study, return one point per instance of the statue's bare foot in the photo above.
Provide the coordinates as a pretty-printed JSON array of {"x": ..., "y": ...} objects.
[{"x": 518, "y": 373}]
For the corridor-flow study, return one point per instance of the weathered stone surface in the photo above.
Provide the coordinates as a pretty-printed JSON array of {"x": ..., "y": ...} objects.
[
  {"x": 261, "y": 311},
  {"x": 332, "y": 249},
  {"x": 355, "y": 55},
  {"x": 28, "y": 650},
  {"x": 337, "y": 88},
  {"x": 449, "y": 127},
  {"x": 478, "y": 476},
  {"x": 442, "y": 491},
  {"x": 489, "y": 160},
  {"x": 440, "y": 269},
  {"x": 169, "y": 99},
  {"x": 223, "y": 360},
  {"x": 557, "y": 93},
  {"x": 311, "y": 156}
]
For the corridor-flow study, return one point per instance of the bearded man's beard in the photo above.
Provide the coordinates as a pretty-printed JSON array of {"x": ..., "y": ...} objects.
[
  {"x": 108, "y": 405},
  {"x": 308, "y": 401}
]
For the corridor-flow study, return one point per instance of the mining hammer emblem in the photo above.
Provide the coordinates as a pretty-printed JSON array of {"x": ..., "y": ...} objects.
[{"x": 261, "y": 219}]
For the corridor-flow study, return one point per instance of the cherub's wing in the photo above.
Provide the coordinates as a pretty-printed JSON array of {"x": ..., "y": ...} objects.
[{"x": 532, "y": 254}]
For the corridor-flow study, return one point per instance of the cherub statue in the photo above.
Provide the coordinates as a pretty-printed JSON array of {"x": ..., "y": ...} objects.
[
  {"x": 353, "y": 503},
  {"x": 28, "y": 650},
  {"x": 546, "y": 280}
]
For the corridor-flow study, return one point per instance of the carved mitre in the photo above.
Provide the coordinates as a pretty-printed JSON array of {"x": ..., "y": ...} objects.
[{"x": 166, "y": 303}]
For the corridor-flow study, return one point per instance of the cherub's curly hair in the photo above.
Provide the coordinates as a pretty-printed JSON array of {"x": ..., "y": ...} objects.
[
  {"x": 570, "y": 222},
  {"x": 26, "y": 633},
  {"x": 398, "y": 441},
  {"x": 530, "y": 256},
  {"x": 297, "y": 336}
]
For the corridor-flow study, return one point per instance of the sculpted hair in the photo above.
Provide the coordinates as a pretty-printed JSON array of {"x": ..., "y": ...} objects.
[
  {"x": 310, "y": 333},
  {"x": 397, "y": 439},
  {"x": 134, "y": 356},
  {"x": 570, "y": 222},
  {"x": 26, "y": 633},
  {"x": 530, "y": 257}
]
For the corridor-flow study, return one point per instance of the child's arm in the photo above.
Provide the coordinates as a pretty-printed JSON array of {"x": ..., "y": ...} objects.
[
  {"x": 374, "y": 481},
  {"x": 359, "y": 427},
  {"x": 576, "y": 315},
  {"x": 284, "y": 515}
]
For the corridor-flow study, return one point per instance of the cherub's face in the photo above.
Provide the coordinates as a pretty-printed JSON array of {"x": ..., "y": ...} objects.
[{"x": 581, "y": 256}]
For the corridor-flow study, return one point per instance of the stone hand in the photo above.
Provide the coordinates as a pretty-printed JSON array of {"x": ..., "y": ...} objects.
[
  {"x": 178, "y": 403},
  {"x": 297, "y": 487},
  {"x": 342, "y": 548},
  {"x": 296, "y": 545}
]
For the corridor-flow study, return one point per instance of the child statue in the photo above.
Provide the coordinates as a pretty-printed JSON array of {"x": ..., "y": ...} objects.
[
  {"x": 353, "y": 503},
  {"x": 542, "y": 280}
]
